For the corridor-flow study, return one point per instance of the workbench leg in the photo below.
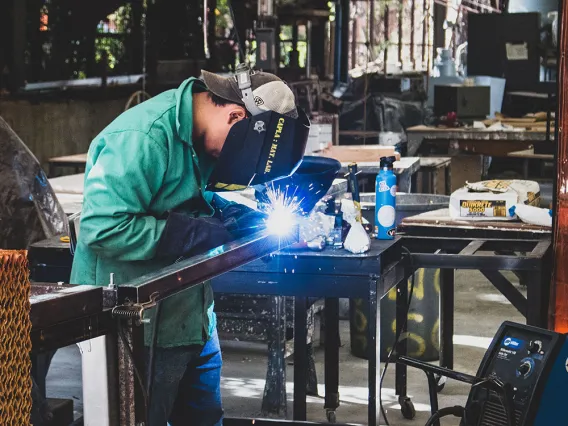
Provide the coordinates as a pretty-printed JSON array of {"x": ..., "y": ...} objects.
[
  {"x": 300, "y": 357},
  {"x": 447, "y": 318},
  {"x": 98, "y": 361},
  {"x": 332, "y": 344},
  {"x": 401, "y": 327},
  {"x": 274, "y": 398},
  {"x": 526, "y": 168},
  {"x": 374, "y": 351},
  {"x": 131, "y": 373},
  {"x": 538, "y": 296},
  {"x": 40, "y": 368},
  {"x": 448, "y": 179}
]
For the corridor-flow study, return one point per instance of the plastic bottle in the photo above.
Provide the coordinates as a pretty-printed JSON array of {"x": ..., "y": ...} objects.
[{"x": 385, "y": 201}]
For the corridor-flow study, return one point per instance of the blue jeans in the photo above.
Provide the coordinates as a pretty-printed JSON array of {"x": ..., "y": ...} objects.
[{"x": 186, "y": 388}]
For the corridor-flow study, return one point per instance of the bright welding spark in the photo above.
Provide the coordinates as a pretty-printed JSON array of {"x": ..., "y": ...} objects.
[{"x": 282, "y": 210}]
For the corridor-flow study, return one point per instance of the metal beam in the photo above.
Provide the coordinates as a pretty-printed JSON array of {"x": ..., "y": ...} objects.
[{"x": 190, "y": 272}]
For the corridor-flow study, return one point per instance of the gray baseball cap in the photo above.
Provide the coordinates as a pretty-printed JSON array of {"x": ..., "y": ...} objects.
[{"x": 270, "y": 92}]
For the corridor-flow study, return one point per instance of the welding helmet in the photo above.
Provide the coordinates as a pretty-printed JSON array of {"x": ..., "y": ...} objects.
[
  {"x": 268, "y": 145},
  {"x": 309, "y": 183}
]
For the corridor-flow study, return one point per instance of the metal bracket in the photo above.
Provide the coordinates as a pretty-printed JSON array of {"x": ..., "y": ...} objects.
[{"x": 135, "y": 311}]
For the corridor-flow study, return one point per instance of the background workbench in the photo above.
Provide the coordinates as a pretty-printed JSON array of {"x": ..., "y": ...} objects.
[{"x": 472, "y": 149}]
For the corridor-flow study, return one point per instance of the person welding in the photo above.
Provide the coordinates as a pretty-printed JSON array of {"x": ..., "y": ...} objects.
[{"x": 150, "y": 198}]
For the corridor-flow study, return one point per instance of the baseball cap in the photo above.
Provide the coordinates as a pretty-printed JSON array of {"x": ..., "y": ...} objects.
[{"x": 270, "y": 92}]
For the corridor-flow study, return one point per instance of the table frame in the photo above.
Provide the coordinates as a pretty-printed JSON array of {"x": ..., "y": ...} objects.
[{"x": 449, "y": 254}]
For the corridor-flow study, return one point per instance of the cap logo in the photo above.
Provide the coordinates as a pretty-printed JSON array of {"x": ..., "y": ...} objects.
[
  {"x": 259, "y": 126},
  {"x": 258, "y": 101}
]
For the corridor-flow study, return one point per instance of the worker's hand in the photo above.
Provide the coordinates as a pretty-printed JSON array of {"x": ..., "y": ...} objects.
[
  {"x": 238, "y": 218},
  {"x": 187, "y": 236}
]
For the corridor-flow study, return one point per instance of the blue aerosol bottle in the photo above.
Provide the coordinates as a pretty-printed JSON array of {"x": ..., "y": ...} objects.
[{"x": 385, "y": 201}]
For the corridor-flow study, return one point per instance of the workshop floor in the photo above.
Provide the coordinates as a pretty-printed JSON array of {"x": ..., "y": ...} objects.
[{"x": 480, "y": 309}]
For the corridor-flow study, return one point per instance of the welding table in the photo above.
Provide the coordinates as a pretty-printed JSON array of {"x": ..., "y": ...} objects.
[
  {"x": 76, "y": 161},
  {"x": 330, "y": 274},
  {"x": 438, "y": 241}
]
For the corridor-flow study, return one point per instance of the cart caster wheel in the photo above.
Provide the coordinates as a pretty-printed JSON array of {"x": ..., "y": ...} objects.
[
  {"x": 407, "y": 408},
  {"x": 331, "y": 416},
  {"x": 440, "y": 383}
]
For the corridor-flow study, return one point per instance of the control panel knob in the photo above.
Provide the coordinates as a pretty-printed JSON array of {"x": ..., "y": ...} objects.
[
  {"x": 535, "y": 347},
  {"x": 524, "y": 368}
]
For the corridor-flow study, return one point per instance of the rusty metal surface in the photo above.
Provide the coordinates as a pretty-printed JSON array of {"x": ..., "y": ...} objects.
[
  {"x": 559, "y": 306},
  {"x": 53, "y": 303}
]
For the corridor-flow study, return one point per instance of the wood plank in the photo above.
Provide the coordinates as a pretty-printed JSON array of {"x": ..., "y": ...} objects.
[
  {"x": 358, "y": 153},
  {"x": 520, "y": 154},
  {"x": 441, "y": 219},
  {"x": 76, "y": 158},
  {"x": 437, "y": 162}
]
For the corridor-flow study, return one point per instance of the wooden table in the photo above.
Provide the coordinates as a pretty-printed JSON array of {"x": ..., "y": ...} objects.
[
  {"x": 77, "y": 161},
  {"x": 471, "y": 149},
  {"x": 481, "y": 142}
]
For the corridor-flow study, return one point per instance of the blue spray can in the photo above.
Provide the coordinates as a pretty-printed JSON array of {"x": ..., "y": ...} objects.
[{"x": 385, "y": 201}]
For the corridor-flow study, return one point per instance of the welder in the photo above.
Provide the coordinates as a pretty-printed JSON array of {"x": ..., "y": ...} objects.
[{"x": 150, "y": 197}]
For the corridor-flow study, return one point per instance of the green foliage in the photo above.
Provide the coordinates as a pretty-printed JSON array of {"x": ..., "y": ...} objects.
[{"x": 112, "y": 45}]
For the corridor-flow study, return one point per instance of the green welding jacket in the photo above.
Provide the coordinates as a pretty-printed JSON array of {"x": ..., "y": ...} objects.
[{"x": 141, "y": 166}]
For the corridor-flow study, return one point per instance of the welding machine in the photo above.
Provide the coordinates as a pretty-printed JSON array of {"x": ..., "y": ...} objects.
[{"x": 521, "y": 381}]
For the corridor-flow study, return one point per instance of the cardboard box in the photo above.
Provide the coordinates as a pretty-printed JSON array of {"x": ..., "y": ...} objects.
[{"x": 492, "y": 200}]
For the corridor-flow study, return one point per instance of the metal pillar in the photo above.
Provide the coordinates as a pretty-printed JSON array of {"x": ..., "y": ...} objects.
[{"x": 559, "y": 307}]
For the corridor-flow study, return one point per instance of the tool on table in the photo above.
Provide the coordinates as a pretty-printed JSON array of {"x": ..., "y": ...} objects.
[
  {"x": 65, "y": 239},
  {"x": 521, "y": 381},
  {"x": 354, "y": 186},
  {"x": 317, "y": 244}
]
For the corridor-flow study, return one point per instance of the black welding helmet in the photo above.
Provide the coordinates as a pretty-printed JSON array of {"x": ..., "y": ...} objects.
[
  {"x": 260, "y": 149},
  {"x": 268, "y": 145},
  {"x": 309, "y": 183}
]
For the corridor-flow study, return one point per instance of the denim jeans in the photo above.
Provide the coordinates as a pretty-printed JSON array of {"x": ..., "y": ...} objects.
[{"x": 186, "y": 388}]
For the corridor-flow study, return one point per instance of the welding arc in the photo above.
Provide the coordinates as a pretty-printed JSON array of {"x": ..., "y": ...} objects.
[{"x": 398, "y": 336}]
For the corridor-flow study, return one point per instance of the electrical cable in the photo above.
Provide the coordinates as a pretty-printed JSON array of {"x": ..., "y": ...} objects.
[
  {"x": 456, "y": 411},
  {"x": 398, "y": 336},
  {"x": 241, "y": 50}
]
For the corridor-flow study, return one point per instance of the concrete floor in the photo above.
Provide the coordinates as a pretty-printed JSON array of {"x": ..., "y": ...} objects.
[{"x": 480, "y": 309}]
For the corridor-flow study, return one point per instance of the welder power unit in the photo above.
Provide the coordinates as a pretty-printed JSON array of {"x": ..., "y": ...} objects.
[{"x": 532, "y": 364}]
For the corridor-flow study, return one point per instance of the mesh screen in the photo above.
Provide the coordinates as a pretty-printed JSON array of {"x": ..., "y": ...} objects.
[{"x": 15, "y": 340}]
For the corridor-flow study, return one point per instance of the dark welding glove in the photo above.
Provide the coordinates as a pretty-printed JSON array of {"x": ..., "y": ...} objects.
[
  {"x": 238, "y": 218},
  {"x": 187, "y": 236}
]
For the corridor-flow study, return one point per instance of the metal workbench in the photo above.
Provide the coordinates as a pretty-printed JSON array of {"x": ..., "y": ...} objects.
[
  {"x": 439, "y": 242},
  {"x": 483, "y": 142},
  {"x": 330, "y": 274}
]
